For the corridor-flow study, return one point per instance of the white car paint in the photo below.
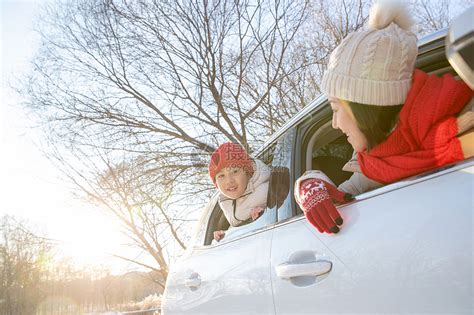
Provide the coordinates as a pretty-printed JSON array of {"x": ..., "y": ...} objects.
[
  {"x": 407, "y": 250},
  {"x": 403, "y": 248},
  {"x": 234, "y": 277}
]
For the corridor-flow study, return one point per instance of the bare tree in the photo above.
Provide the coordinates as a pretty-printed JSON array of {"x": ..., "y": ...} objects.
[
  {"x": 22, "y": 261},
  {"x": 183, "y": 74},
  {"x": 327, "y": 24},
  {"x": 133, "y": 96},
  {"x": 136, "y": 94},
  {"x": 432, "y": 15}
]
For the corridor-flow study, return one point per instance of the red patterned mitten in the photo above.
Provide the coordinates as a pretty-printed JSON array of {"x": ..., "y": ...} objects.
[{"x": 316, "y": 199}]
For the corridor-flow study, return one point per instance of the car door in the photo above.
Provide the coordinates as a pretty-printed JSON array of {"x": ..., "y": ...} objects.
[
  {"x": 403, "y": 248},
  {"x": 231, "y": 276}
]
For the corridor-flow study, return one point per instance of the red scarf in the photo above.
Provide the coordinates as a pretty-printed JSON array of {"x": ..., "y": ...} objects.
[{"x": 425, "y": 137}]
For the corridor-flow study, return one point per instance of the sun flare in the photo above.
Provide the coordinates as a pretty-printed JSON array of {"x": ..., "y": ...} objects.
[{"x": 93, "y": 240}]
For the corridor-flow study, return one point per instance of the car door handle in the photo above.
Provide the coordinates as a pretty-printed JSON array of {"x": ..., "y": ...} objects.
[
  {"x": 193, "y": 282},
  {"x": 315, "y": 268}
]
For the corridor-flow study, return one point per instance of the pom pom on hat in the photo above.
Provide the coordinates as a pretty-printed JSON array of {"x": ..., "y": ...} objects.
[{"x": 384, "y": 12}]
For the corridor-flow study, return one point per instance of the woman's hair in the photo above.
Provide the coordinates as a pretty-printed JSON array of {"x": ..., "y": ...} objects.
[{"x": 375, "y": 122}]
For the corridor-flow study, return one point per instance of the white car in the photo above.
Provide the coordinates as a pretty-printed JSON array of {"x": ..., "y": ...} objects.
[{"x": 404, "y": 248}]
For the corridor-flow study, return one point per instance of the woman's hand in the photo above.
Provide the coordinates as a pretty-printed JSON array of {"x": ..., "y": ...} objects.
[
  {"x": 218, "y": 235},
  {"x": 255, "y": 212},
  {"x": 316, "y": 198}
]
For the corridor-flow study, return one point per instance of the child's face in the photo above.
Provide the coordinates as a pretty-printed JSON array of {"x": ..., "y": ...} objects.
[
  {"x": 343, "y": 118},
  {"x": 232, "y": 182}
]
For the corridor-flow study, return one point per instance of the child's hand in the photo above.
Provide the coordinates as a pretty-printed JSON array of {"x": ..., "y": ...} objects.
[
  {"x": 255, "y": 212},
  {"x": 218, "y": 235}
]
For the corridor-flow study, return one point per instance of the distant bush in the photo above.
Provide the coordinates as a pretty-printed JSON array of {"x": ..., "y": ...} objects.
[{"x": 150, "y": 302}]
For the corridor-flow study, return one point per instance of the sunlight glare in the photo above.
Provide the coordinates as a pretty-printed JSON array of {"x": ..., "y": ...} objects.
[{"x": 92, "y": 239}]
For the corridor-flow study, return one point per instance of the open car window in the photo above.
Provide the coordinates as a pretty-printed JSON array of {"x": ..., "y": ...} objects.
[
  {"x": 323, "y": 148},
  {"x": 328, "y": 151},
  {"x": 215, "y": 220}
]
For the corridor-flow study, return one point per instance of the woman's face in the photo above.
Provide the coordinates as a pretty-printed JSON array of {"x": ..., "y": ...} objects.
[
  {"x": 232, "y": 182},
  {"x": 343, "y": 118}
]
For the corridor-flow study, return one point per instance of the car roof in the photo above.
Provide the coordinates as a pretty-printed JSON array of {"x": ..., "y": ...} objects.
[{"x": 426, "y": 44}]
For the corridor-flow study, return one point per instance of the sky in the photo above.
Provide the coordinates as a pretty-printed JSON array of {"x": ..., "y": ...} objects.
[{"x": 31, "y": 188}]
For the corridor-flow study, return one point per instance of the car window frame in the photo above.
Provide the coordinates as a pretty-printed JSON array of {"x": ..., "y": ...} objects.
[
  {"x": 238, "y": 232},
  {"x": 308, "y": 127},
  {"x": 432, "y": 59},
  {"x": 204, "y": 230},
  {"x": 307, "y": 130}
]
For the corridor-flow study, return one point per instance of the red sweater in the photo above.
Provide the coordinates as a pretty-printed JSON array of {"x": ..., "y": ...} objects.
[{"x": 426, "y": 134}]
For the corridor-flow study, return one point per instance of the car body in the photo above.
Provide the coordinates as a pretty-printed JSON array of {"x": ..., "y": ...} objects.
[{"x": 406, "y": 247}]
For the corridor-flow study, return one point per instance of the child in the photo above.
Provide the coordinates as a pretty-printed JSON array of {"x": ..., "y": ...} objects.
[
  {"x": 242, "y": 183},
  {"x": 400, "y": 121}
]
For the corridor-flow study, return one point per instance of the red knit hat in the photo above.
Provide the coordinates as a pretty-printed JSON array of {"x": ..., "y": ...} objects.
[{"x": 229, "y": 155}]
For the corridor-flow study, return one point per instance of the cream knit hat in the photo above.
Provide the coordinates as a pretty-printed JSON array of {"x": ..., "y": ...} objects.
[{"x": 375, "y": 66}]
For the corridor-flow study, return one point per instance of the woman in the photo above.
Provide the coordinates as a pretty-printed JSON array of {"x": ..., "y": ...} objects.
[{"x": 400, "y": 121}]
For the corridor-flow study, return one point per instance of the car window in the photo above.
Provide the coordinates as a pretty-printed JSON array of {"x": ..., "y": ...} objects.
[
  {"x": 331, "y": 157},
  {"x": 214, "y": 220},
  {"x": 320, "y": 147},
  {"x": 323, "y": 148}
]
